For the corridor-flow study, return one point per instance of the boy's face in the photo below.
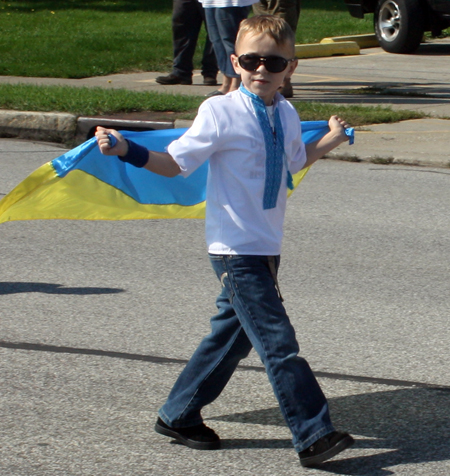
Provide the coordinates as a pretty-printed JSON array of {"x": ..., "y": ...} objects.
[{"x": 262, "y": 82}]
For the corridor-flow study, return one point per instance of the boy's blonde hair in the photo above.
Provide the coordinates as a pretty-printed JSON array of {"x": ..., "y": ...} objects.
[{"x": 277, "y": 28}]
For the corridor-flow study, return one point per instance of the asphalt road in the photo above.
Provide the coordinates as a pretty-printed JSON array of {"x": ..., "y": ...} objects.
[
  {"x": 98, "y": 318},
  {"x": 376, "y": 78}
]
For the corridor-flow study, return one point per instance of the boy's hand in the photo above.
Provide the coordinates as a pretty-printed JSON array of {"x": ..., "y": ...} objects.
[
  {"x": 337, "y": 135},
  {"x": 104, "y": 142},
  {"x": 338, "y": 126}
]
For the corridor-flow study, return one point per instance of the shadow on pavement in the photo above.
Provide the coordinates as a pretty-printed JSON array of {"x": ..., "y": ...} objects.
[
  {"x": 259, "y": 444},
  {"x": 409, "y": 426},
  {"x": 50, "y": 288},
  {"x": 433, "y": 49}
]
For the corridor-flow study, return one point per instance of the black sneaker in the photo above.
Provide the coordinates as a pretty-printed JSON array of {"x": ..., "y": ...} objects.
[
  {"x": 209, "y": 81},
  {"x": 286, "y": 89},
  {"x": 325, "y": 448},
  {"x": 198, "y": 437},
  {"x": 173, "y": 79}
]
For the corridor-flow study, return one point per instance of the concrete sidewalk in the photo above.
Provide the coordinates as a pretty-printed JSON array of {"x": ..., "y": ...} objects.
[{"x": 372, "y": 78}]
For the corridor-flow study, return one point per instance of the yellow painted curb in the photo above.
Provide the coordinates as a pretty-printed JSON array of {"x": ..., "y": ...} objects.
[
  {"x": 363, "y": 41},
  {"x": 315, "y": 50}
]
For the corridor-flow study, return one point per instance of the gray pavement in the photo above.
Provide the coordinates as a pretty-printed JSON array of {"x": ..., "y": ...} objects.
[
  {"x": 374, "y": 77},
  {"x": 98, "y": 318},
  {"x": 94, "y": 331}
]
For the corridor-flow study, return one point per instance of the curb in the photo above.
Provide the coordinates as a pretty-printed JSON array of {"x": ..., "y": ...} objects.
[
  {"x": 86, "y": 126},
  {"x": 70, "y": 129},
  {"x": 316, "y": 50},
  {"x": 50, "y": 127},
  {"x": 389, "y": 159},
  {"x": 363, "y": 41},
  {"x": 338, "y": 45}
]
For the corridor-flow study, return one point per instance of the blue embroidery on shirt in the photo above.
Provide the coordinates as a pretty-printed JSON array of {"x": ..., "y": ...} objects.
[{"x": 274, "y": 142}]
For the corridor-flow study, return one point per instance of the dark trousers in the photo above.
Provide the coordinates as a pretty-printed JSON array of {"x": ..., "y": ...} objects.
[
  {"x": 287, "y": 9},
  {"x": 187, "y": 19}
]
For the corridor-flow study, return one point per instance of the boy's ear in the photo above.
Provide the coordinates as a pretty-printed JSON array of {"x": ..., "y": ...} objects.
[
  {"x": 292, "y": 67},
  {"x": 235, "y": 63}
]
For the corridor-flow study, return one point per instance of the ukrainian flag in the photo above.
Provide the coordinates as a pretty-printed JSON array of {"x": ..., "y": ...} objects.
[{"x": 83, "y": 184}]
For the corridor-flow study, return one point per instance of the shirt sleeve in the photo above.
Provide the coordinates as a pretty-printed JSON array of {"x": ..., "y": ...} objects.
[
  {"x": 298, "y": 151},
  {"x": 198, "y": 143}
]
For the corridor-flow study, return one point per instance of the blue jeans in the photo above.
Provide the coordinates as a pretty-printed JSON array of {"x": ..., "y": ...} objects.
[
  {"x": 223, "y": 25},
  {"x": 250, "y": 314}
]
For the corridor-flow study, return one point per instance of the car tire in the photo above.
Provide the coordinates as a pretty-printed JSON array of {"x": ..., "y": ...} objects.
[{"x": 399, "y": 25}]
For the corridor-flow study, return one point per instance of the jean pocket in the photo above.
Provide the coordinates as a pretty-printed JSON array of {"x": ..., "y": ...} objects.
[
  {"x": 225, "y": 282},
  {"x": 219, "y": 264}
]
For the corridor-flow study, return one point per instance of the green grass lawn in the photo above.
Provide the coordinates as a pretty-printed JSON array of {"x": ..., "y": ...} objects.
[
  {"x": 83, "y": 38},
  {"x": 98, "y": 101}
]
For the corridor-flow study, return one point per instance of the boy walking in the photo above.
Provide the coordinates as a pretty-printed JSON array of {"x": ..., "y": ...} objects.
[{"x": 252, "y": 138}]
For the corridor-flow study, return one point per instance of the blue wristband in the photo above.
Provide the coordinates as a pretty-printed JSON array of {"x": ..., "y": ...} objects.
[{"x": 137, "y": 155}]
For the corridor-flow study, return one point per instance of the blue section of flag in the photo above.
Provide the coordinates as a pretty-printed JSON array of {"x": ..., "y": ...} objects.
[{"x": 142, "y": 185}]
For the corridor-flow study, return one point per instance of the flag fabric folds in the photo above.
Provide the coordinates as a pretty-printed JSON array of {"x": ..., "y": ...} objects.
[{"x": 83, "y": 184}]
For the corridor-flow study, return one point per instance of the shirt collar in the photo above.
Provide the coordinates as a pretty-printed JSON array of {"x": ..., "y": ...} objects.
[{"x": 276, "y": 100}]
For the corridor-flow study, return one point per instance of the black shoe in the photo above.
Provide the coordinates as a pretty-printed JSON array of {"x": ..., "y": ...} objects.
[
  {"x": 209, "y": 81},
  {"x": 214, "y": 93},
  {"x": 173, "y": 79},
  {"x": 325, "y": 448},
  {"x": 198, "y": 437},
  {"x": 286, "y": 89}
]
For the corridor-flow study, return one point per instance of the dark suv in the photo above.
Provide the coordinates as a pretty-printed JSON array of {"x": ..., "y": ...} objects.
[{"x": 400, "y": 24}]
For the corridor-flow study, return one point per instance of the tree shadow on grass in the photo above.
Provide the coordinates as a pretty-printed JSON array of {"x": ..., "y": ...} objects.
[
  {"x": 108, "y": 6},
  {"x": 144, "y": 5}
]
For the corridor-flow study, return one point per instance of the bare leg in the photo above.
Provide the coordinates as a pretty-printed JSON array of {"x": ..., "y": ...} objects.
[
  {"x": 235, "y": 83},
  {"x": 229, "y": 84},
  {"x": 226, "y": 83}
]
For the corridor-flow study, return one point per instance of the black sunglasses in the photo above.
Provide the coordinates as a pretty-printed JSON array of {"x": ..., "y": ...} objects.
[{"x": 273, "y": 64}]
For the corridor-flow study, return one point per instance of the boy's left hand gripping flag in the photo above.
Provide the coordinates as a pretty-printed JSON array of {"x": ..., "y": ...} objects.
[{"x": 83, "y": 184}]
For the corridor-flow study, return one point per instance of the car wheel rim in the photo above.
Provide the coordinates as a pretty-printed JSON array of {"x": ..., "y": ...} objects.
[{"x": 389, "y": 20}]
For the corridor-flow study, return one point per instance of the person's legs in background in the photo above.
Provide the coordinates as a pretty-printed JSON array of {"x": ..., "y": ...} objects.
[
  {"x": 289, "y": 10},
  {"x": 187, "y": 19},
  {"x": 209, "y": 61},
  {"x": 223, "y": 24}
]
